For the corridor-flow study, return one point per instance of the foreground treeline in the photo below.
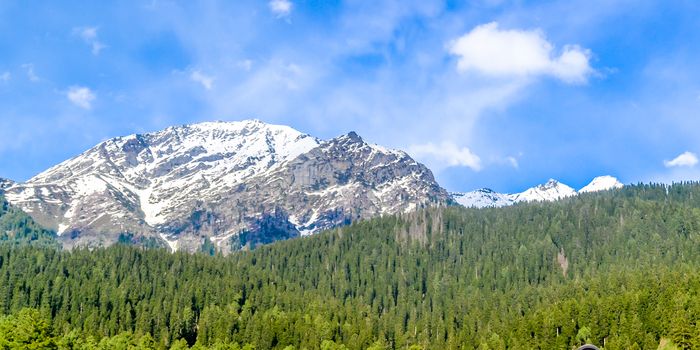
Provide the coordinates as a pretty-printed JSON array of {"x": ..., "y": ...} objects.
[{"x": 619, "y": 269}]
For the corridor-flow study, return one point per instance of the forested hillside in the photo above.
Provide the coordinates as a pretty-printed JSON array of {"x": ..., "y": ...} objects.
[
  {"x": 619, "y": 269},
  {"x": 16, "y": 227}
]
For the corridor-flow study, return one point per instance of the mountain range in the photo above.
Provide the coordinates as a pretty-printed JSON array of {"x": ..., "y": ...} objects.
[
  {"x": 550, "y": 191},
  {"x": 221, "y": 185},
  {"x": 233, "y": 185}
]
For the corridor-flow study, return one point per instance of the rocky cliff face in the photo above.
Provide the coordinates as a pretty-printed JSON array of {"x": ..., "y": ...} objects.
[
  {"x": 232, "y": 184},
  {"x": 5, "y": 183}
]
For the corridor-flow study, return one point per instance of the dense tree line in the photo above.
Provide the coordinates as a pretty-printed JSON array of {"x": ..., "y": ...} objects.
[{"x": 618, "y": 269}]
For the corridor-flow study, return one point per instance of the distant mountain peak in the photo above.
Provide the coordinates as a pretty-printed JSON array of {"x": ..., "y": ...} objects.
[
  {"x": 602, "y": 183},
  {"x": 353, "y": 136},
  {"x": 482, "y": 198},
  {"x": 551, "y": 183},
  {"x": 349, "y": 139},
  {"x": 549, "y": 191}
]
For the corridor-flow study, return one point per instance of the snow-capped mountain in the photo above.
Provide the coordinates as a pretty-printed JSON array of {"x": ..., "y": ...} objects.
[
  {"x": 235, "y": 184},
  {"x": 550, "y": 191},
  {"x": 482, "y": 198},
  {"x": 602, "y": 183}
]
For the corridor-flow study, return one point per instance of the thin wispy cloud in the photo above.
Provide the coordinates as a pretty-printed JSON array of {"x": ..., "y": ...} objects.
[
  {"x": 493, "y": 51},
  {"x": 81, "y": 96},
  {"x": 246, "y": 64},
  {"x": 280, "y": 8},
  {"x": 29, "y": 69},
  {"x": 446, "y": 154},
  {"x": 205, "y": 80},
  {"x": 89, "y": 36},
  {"x": 5, "y": 76},
  {"x": 685, "y": 159}
]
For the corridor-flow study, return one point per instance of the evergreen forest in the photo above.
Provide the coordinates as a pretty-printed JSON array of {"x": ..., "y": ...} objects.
[{"x": 619, "y": 269}]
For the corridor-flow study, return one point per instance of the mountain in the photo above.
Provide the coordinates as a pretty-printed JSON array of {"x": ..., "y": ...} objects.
[
  {"x": 602, "y": 183},
  {"x": 227, "y": 184},
  {"x": 550, "y": 191},
  {"x": 482, "y": 198}
]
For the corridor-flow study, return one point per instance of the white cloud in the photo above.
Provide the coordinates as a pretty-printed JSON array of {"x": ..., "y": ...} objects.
[
  {"x": 446, "y": 154},
  {"x": 31, "y": 75},
  {"x": 89, "y": 36},
  {"x": 199, "y": 77},
  {"x": 685, "y": 159},
  {"x": 281, "y": 8},
  {"x": 81, "y": 96},
  {"x": 518, "y": 53},
  {"x": 513, "y": 162},
  {"x": 5, "y": 76}
]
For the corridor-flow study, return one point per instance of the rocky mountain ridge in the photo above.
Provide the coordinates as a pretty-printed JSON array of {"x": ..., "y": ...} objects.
[{"x": 230, "y": 185}]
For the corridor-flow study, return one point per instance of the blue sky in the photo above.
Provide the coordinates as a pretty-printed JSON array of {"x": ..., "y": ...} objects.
[{"x": 496, "y": 93}]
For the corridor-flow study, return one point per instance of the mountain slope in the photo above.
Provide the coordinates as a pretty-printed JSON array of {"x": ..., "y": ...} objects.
[
  {"x": 233, "y": 183},
  {"x": 16, "y": 227},
  {"x": 5, "y": 183}
]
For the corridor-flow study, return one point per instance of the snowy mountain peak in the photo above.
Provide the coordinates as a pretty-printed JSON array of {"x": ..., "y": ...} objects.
[
  {"x": 551, "y": 183},
  {"x": 215, "y": 148},
  {"x": 551, "y": 190},
  {"x": 352, "y": 142},
  {"x": 602, "y": 183},
  {"x": 155, "y": 171},
  {"x": 352, "y": 136},
  {"x": 482, "y": 198},
  {"x": 219, "y": 179}
]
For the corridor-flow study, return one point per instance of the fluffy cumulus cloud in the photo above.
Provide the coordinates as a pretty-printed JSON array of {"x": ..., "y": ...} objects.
[
  {"x": 685, "y": 159},
  {"x": 199, "y": 77},
  {"x": 493, "y": 51},
  {"x": 81, "y": 96},
  {"x": 281, "y": 8},
  {"x": 446, "y": 153},
  {"x": 89, "y": 36}
]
